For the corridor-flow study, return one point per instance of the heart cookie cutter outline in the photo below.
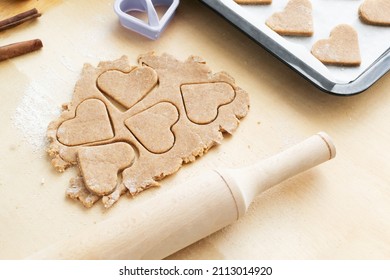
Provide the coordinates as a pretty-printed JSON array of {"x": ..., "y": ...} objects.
[{"x": 153, "y": 28}]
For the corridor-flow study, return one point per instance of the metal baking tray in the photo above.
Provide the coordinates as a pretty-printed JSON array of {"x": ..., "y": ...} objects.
[{"x": 374, "y": 42}]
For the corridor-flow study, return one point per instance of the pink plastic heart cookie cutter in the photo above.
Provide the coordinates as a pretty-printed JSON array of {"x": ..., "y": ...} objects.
[{"x": 151, "y": 29}]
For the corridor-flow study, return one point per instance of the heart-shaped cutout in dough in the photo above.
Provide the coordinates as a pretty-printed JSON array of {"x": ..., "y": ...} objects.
[
  {"x": 295, "y": 20},
  {"x": 127, "y": 88},
  {"x": 342, "y": 47},
  {"x": 203, "y": 100},
  {"x": 152, "y": 127},
  {"x": 91, "y": 124},
  {"x": 100, "y": 165},
  {"x": 375, "y": 12}
]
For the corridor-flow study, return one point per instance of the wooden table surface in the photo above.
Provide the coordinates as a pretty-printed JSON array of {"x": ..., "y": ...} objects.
[{"x": 339, "y": 210}]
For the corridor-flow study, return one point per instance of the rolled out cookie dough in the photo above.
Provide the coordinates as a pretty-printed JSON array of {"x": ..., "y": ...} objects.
[{"x": 128, "y": 127}]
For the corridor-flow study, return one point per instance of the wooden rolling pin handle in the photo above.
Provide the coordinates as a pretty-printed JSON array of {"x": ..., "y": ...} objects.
[
  {"x": 156, "y": 228},
  {"x": 179, "y": 217},
  {"x": 246, "y": 183}
]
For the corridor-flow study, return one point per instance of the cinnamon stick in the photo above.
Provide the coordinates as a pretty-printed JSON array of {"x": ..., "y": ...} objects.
[
  {"x": 13, "y": 50},
  {"x": 18, "y": 19}
]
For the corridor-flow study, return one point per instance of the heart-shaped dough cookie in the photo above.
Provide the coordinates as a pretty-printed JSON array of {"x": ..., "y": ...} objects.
[
  {"x": 342, "y": 47},
  {"x": 100, "y": 165},
  {"x": 91, "y": 124},
  {"x": 295, "y": 20},
  {"x": 375, "y": 12},
  {"x": 203, "y": 100},
  {"x": 152, "y": 127},
  {"x": 127, "y": 88}
]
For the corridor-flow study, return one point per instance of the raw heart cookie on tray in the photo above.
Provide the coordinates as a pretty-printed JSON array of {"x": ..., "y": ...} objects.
[
  {"x": 295, "y": 20},
  {"x": 341, "y": 48},
  {"x": 128, "y": 127},
  {"x": 375, "y": 12}
]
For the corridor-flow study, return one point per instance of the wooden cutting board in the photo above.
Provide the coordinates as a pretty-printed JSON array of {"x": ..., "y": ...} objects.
[{"x": 339, "y": 210}]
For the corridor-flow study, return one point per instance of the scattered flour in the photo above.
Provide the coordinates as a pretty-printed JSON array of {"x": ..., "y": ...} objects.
[
  {"x": 40, "y": 104},
  {"x": 42, "y": 100}
]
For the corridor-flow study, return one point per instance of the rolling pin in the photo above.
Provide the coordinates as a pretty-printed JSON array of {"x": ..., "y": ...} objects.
[{"x": 177, "y": 218}]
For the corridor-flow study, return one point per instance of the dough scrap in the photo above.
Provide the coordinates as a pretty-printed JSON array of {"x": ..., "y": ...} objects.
[
  {"x": 295, "y": 20},
  {"x": 78, "y": 191},
  {"x": 375, "y": 12},
  {"x": 253, "y": 2},
  {"x": 341, "y": 49},
  {"x": 152, "y": 134}
]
